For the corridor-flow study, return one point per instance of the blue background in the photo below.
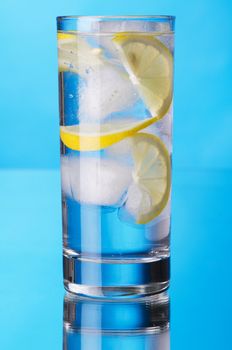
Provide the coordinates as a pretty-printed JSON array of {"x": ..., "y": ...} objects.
[{"x": 30, "y": 240}]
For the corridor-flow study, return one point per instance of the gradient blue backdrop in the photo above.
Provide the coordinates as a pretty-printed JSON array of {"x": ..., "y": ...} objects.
[{"x": 30, "y": 238}]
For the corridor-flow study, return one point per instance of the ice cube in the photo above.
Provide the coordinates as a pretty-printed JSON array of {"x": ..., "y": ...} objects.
[
  {"x": 108, "y": 46},
  {"x": 163, "y": 126},
  {"x": 160, "y": 226},
  {"x": 163, "y": 129},
  {"x": 168, "y": 41},
  {"x": 107, "y": 89},
  {"x": 122, "y": 149},
  {"x": 65, "y": 176},
  {"x": 138, "y": 201},
  {"x": 133, "y": 25},
  {"x": 97, "y": 181}
]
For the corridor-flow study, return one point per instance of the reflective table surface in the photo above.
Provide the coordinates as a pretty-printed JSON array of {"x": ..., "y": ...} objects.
[
  {"x": 36, "y": 313},
  {"x": 113, "y": 324}
]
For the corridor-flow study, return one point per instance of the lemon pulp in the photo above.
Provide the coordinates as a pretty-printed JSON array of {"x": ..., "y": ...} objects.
[
  {"x": 149, "y": 64},
  {"x": 151, "y": 178}
]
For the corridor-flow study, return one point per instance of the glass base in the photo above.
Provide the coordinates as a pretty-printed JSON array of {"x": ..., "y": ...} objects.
[{"x": 124, "y": 278}]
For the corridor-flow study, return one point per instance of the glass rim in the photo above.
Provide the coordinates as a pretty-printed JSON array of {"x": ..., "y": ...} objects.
[{"x": 155, "y": 18}]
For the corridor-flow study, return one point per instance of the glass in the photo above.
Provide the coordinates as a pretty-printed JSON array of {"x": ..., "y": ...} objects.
[
  {"x": 113, "y": 325},
  {"x": 115, "y": 96}
]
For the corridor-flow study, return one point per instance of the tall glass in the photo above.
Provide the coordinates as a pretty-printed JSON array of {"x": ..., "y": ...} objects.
[{"x": 115, "y": 95}]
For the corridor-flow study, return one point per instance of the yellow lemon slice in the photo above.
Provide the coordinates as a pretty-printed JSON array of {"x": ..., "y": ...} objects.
[
  {"x": 94, "y": 137},
  {"x": 149, "y": 193},
  {"x": 65, "y": 36},
  {"x": 149, "y": 64}
]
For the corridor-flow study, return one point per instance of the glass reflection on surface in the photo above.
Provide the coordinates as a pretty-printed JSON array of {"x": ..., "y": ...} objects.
[{"x": 90, "y": 324}]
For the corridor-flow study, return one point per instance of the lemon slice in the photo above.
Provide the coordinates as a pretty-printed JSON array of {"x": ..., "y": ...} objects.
[
  {"x": 63, "y": 36},
  {"x": 94, "y": 137},
  {"x": 149, "y": 193},
  {"x": 149, "y": 64},
  {"x": 75, "y": 54}
]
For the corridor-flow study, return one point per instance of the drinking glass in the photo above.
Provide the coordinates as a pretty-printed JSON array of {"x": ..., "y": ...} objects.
[{"x": 115, "y": 98}]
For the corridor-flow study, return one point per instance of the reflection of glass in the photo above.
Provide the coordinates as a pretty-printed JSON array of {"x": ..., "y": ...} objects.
[
  {"x": 116, "y": 325},
  {"x": 116, "y": 88}
]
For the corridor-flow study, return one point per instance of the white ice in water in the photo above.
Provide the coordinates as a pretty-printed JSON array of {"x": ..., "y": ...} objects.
[
  {"x": 164, "y": 125},
  {"x": 107, "y": 89},
  {"x": 163, "y": 129},
  {"x": 138, "y": 201},
  {"x": 120, "y": 149},
  {"x": 168, "y": 41},
  {"x": 96, "y": 181},
  {"x": 160, "y": 226},
  {"x": 135, "y": 25},
  {"x": 110, "y": 49}
]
